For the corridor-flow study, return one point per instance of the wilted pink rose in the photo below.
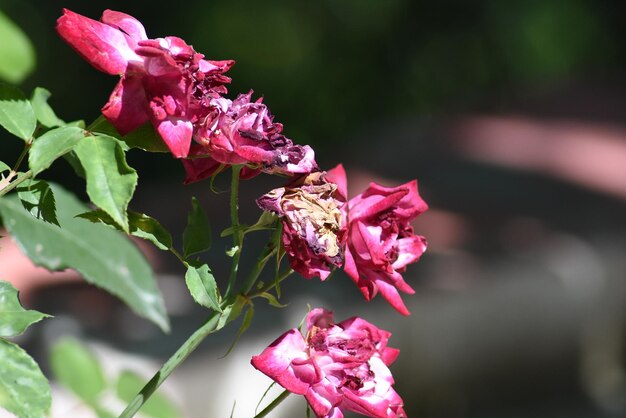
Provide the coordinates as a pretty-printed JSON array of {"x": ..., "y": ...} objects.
[
  {"x": 337, "y": 367},
  {"x": 244, "y": 132},
  {"x": 313, "y": 227},
  {"x": 162, "y": 80},
  {"x": 380, "y": 240}
]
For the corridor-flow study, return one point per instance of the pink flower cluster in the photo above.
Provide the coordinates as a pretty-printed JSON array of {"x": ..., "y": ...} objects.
[
  {"x": 336, "y": 367},
  {"x": 165, "y": 81},
  {"x": 372, "y": 231}
]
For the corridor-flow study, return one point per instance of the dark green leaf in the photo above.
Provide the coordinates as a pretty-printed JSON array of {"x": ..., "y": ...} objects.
[
  {"x": 13, "y": 318},
  {"x": 16, "y": 114},
  {"x": 110, "y": 180},
  {"x": 17, "y": 55},
  {"x": 197, "y": 234},
  {"x": 38, "y": 199},
  {"x": 158, "y": 406},
  {"x": 247, "y": 320},
  {"x": 43, "y": 111},
  {"x": 103, "y": 256},
  {"x": 24, "y": 390},
  {"x": 52, "y": 145},
  {"x": 202, "y": 286},
  {"x": 140, "y": 225},
  {"x": 144, "y": 137},
  {"x": 78, "y": 369}
]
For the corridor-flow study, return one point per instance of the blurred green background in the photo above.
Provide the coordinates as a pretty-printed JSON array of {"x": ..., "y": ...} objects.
[{"x": 520, "y": 308}]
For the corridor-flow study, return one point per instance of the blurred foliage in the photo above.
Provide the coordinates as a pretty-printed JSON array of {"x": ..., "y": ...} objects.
[{"x": 330, "y": 69}]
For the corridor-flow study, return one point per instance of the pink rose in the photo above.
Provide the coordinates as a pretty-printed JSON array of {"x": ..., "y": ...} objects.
[
  {"x": 336, "y": 367},
  {"x": 163, "y": 80},
  {"x": 380, "y": 241},
  {"x": 244, "y": 132},
  {"x": 313, "y": 226}
]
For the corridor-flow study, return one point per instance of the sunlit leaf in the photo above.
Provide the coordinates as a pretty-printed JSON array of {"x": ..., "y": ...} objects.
[
  {"x": 14, "y": 319},
  {"x": 202, "y": 286},
  {"x": 197, "y": 234},
  {"x": 43, "y": 111},
  {"x": 24, "y": 390},
  {"x": 103, "y": 256},
  {"x": 4, "y": 167},
  {"x": 52, "y": 145},
  {"x": 110, "y": 180},
  {"x": 17, "y": 55},
  {"x": 77, "y": 368},
  {"x": 16, "y": 114}
]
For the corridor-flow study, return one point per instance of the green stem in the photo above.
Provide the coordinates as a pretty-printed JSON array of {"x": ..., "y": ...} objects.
[
  {"x": 237, "y": 234},
  {"x": 12, "y": 185},
  {"x": 272, "y": 285},
  {"x": 179, "y": 356},
  {"x": 273, "y": 405},
  {"x": 258, "y": 268}
]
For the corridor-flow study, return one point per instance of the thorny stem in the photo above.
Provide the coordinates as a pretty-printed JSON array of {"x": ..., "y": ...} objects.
[
  {"x": 273, "y": 404},
  {"x": 179, "y": 356},
  {"x": 237, "y": 233}
]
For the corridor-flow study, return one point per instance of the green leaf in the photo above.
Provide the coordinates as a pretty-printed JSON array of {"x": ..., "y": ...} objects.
[
  {"x": 103, "y": 256},
  {"x": 38, "y": 199},
  {"x": 110, "y": 180},
  {"x": 197, "y": 234},
  {"x": 144, "y": 137},
  {"x": 52, "y": 145},
  {"x": 43, "y": 111},
  {"x": 24, "y": 390},
  {"x": 4, "y": 167},
  {"x": 202, "y": 286},
  {"x": 17, "y": 55},
  {"x": 16, "y": 114},
  {"x": 78, "y": 369},
  {"x": 245, "y": 324},
  {"x": 13, "y": 318},
  {"x": 140, "y": 225},
  {"x": 158, "y": 406}
]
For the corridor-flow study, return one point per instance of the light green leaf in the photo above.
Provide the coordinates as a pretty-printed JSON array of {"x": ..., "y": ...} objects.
[
  {"x": 202, "y": 286},
  {"x": 197, "y": 234},
  {"x": 52, "y": 145},
  {"x": 140, "y": 225},
  {"x": 24, "y": 390},
  {"x": 110, "y": 180},
  {"x": 38, "y": 199},
  {"x": 144, "y": 137},
  {"x": 4, "y": 167},
  {"x": 78, "y": 369},
  {"x": 158, "y": 406},
  {"x": 16, "y": 114},
  {"x": 13, "y": 318},
  {"x": 17, "y": 55},
  {"x": 43, "y": 111},
  {"x": 103, "y": 256}
]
